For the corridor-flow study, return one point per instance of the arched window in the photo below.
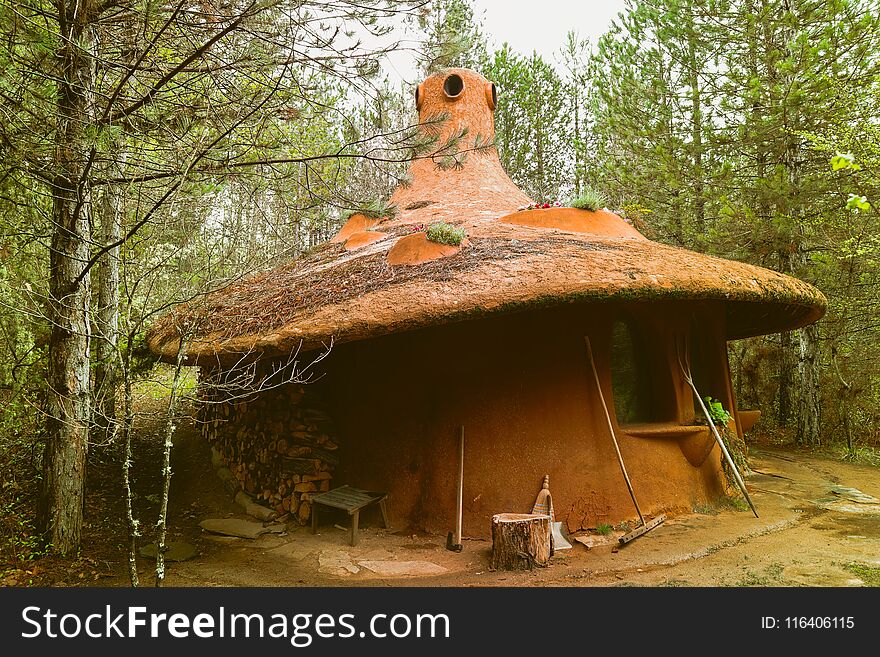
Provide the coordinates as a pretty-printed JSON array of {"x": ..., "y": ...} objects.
[{"x": 629, "y": 377}]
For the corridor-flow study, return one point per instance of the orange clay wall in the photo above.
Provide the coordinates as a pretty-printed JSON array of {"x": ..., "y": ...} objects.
[{"x": 522, "y": 387}]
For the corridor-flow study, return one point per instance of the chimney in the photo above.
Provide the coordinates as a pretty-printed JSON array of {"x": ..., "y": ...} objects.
[{"x": 477, "y": 184}]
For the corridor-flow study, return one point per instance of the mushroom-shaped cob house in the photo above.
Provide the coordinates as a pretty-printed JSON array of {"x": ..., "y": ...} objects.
[{"x": 489, "y": 335}]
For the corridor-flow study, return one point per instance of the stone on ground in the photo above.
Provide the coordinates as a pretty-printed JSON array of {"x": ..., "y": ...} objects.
[
  {"x": 235, "y": 527},
  {"x": 293, "y": 550},
  {"x": 854, "y": 495},
  {"x": 336, "y": 562},
  {"x": 591, "y": 541},
  {"x": 403, "y": 568}
]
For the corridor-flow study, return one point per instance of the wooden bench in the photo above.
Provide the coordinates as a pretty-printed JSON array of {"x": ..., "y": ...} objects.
[{"x": 351, "y": 500}]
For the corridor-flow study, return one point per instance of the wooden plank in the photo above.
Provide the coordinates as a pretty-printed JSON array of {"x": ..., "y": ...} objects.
[
  {"x": 348, "y": 498},
  {"x": 344, "y": 501}
]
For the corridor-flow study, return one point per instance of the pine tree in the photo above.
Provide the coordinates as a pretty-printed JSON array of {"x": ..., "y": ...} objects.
[
  {"x": 453, "y": 37},
  {"x": 532, "y": 124},
  {"x": 703, "y": 112}
]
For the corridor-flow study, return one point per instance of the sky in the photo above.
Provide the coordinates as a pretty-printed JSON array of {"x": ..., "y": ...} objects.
[
  {"x": 542, "y": 25},
  {"x": 528, "y": 25}
]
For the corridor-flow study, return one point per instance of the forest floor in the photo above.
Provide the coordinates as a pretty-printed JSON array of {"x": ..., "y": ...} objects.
[{"x": 812, "y": 531}]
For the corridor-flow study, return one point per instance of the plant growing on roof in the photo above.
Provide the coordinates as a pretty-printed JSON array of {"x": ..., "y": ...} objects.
[
  {"x": 717, "y": 411},
  {"x": 590, "y": 199},
  {"x": 444, "y": 233},
  {"x": 375, "y": 209}
]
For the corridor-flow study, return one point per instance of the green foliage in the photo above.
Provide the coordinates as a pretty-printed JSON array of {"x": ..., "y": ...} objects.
[
  {"x": 143, "y": 360},
  {"x": 604, "y": 530},
  {"x": 532, "y": 123},
  {"x": 844, "y": 161},
  {"x": 720, "y": 119},
  {"x": 725, "y": 502},
  {"x": 375, "y": 209},
  {"x": 734, "y": 503},
  {"x": 589, "y": 199},
  {"x": 717, "y": 411},
  {"x": 870, "y": 575},
  {"x": 856, "y": 202},
  {"x": 444, "y": 233},
  {"x": 210, "y": 148},
  {"x": 19, "y": 540},
  {"x": 453, "y": 37}
]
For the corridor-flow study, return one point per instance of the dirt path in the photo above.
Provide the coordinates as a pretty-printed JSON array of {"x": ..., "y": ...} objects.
[{"x": 807, "y": 535}]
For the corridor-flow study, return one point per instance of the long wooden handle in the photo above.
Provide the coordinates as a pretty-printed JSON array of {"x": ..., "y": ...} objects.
[
  {"x": 611, "y": 430},
  {"x": 460, "y": 486}
]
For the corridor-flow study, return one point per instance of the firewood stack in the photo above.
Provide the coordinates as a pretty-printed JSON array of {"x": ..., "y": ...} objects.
[{"x": 277, "y": 443}]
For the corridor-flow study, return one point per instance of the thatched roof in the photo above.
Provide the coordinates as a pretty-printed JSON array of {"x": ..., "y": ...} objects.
[{"x": 379, "y": 277}]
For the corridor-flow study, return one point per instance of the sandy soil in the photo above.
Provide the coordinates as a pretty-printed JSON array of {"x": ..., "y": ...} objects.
[{"x": 807, "y": 535}]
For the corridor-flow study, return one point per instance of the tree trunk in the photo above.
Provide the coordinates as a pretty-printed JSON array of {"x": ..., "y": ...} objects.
[
  {"x": 134, "y": 532},
  {"x": 787, "y": 361},
  {"x": 520, "y": 541},
  {"x": 696, "y": 133},
  {"x": 170, "y": 427},
  {"x": 68, "y": 395},
  {"x": 106, "y": 337},
  {"x": 809, "y": 408},
  {"x": 786, "y": 380}
]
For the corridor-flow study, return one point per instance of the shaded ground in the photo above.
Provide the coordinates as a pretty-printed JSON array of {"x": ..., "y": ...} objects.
[{"x": 807, "y": 535}]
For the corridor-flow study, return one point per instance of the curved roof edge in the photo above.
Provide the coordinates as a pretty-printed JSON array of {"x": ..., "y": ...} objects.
[{"x": 757, "y": 300}]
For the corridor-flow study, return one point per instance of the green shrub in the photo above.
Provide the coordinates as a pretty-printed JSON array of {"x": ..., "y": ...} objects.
[
  {"x": 590, "y": 199},
  {"x": 604, "y": 530},
  {"x": 444, "y": 233}
]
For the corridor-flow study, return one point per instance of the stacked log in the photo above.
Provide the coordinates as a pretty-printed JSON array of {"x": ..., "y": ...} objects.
[{"x": 277, "y": 442}]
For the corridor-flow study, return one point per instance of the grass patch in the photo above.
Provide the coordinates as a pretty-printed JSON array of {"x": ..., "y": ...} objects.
[
  {"x": 604, "y": 530},
  {"x": 734, "y": 503},
  {"x": 706, "y": 510},
  {"x": 722, "y": 504},
  {"x": 775, "y": 569},
  {"x": 373, "y": 210},
  {"x": 753, "y": 578},
  {"x": 675, "y": 583},
  {"x": 863, "y": 454},
  {"x": 870, "y": 575},
  {"x": 444, "y": 233},
  {"x": 590, "y": 199}
]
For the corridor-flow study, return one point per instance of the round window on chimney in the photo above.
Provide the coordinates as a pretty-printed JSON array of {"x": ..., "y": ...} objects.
[
  {"x": 491, "y": 95},
  {"x": 453, "y": 86}
]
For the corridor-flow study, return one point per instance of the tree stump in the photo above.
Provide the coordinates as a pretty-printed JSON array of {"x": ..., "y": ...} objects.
[{"x": 520, "y": 541}]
